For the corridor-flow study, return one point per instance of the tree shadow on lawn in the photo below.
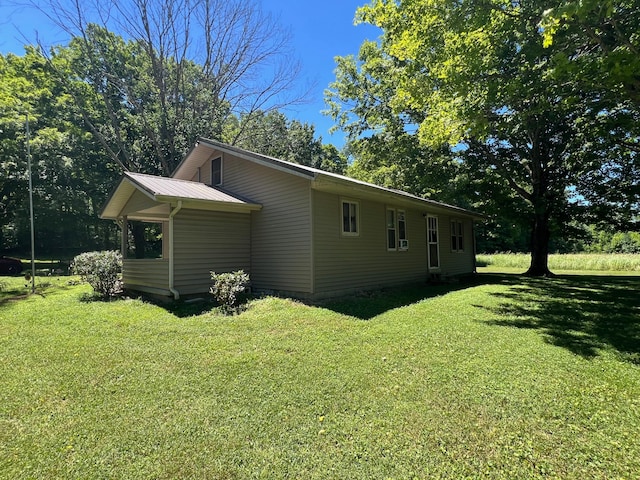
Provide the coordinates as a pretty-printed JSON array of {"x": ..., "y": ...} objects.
[
  {"x": 367, "y": 305},
  {"x": 582, "y": 313},
  {"x": 23, "y": 291}
]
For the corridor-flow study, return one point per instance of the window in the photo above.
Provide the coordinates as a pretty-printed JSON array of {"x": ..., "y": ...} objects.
[
  {"x": 216, "y": 171},
  {"x": 349, "y": 218},
  {"x": 432, "y": 242},
  {"x": 391, "y": 229},
  {"x": 396, "y": 230},
  {"x": 403, "y": 242},
  {"x": 457, "y": 236},
  {"x": 145, "y": 239}
]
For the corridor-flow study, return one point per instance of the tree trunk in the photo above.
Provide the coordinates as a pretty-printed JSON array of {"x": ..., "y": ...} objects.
[{"x": 540, "y": 235}]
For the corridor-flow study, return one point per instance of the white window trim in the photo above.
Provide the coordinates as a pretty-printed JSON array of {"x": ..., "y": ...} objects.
[
  {"x": 221, "y": 171},
  {"x": 406, "y": 235},
  {"x": 357, "y": 204},
  {"x": 437, "y": 243},
  {"x": 396, "y": 227},
  {"x": 454, "y": 232}
]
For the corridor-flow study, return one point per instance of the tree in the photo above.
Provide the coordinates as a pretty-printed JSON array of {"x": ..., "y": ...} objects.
[
  {"x": 271, "y": 133},
  {"x": 70, "y": 178},
  {"x": 476, "y": 75},
  {"x": 597, "y": 46},
  {"x": 167, "y": 71}
]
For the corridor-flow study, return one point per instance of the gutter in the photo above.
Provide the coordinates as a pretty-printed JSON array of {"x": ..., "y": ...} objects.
[{"x": 176, "y": 294}]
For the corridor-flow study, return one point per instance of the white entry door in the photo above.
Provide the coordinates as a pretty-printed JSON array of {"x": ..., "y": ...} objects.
[{"x": 432, "y": 243}]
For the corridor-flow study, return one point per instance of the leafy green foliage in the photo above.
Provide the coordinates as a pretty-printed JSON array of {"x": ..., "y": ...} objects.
[
  {"x": 619, "y": 242},
  {"x": 227, "y": 287},
  {"x": 100, "y": 269},
  {"x": 71, "y": 178},
  {"x": 270, "y": 133}
]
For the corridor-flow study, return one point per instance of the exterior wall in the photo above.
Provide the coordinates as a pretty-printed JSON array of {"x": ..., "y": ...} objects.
[
  {"x": 345, "y": 264},
  {"x": 207, "y": 241},
  {"x": 455, "y": 263},
  {"x": 146, "y": 274},
  {"x": 350, "y": 263},
  {"x": 281, "y": 230}
]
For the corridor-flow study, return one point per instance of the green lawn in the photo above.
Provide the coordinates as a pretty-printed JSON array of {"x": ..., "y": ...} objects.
[{"x": 503, "y": 377}]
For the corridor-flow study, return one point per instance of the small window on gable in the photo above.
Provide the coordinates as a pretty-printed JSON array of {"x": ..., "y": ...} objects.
[
  {"x": 350, "y": 218},
  {"x": 457, "y": 236},
  {"x": 216, "y": 171}
]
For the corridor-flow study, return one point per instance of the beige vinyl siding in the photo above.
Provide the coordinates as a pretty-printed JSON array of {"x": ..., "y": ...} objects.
[
  {"x": 350, "y": 263},
  {"x": 455, "y": 263},
  {"x": 281, "y": 230},
  {"x": 146, "y": 274},
  {"x": 207, "y": 241},
  {"x": 138, "y": 201}
]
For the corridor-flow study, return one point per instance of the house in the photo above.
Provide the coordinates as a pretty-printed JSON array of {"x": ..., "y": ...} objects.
[{"x": 296, "y": 230}]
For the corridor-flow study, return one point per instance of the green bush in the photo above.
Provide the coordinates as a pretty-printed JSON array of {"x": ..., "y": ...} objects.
[
  {"x": 100, "y": 269},
  {"x": 227, "y": 286}
]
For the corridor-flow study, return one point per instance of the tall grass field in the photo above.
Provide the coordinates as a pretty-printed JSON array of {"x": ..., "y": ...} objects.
[
  {"x": 499, "y": 377},
  {"x": 569, "y": 262}
]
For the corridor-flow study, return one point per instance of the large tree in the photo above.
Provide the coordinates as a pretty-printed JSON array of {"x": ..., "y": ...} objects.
[
  {"x": 597, "y": 45},
  {"x": 71, "y": 177},
  {"x": 476, "y": 74},
  {"x": 166, "y": 71}
]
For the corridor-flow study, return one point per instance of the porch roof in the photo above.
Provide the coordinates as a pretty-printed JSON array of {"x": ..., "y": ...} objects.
[{"x": 141, "y": 196}]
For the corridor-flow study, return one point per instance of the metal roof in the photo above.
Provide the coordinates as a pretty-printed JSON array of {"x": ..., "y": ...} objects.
[
  {"x": 163, "y": 191},
  {"x": 181, "y": 189}
]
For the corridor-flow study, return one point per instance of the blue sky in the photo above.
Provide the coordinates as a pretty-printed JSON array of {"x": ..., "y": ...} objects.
[{"x": 320, "y": 31}]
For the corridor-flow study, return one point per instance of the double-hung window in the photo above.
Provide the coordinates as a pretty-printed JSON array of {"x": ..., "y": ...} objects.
[
  {"x": 397, "y": 230},
  {"x": 457, "y": 236},
  {"x": 216, "y": 171},
  {"x": 350, "y": 220}
]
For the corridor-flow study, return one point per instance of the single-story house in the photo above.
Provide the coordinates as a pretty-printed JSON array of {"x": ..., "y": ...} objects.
[{"x": 296, "y": 230}]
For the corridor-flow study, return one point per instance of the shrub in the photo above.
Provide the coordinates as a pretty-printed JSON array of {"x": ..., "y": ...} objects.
[
  {"x": 227, "y": 286},
  {"x": 100, "y": 269}
]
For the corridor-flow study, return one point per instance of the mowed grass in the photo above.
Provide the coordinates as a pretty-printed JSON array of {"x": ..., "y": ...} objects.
[{"x": 502, "y": 377}]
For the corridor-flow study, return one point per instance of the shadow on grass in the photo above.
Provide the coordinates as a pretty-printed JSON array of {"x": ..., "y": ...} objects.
[
  {"x": 179, "y": 308},
  {"x": 22, "y": 291},
  {"x": 367, "y": 305},
  {"x": 582, "y": 313}
]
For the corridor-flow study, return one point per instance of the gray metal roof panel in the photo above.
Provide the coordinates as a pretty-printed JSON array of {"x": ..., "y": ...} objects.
[{"x": 184, "y": 189}]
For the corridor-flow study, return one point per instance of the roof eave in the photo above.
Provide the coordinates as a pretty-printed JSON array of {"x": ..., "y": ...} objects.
[
  {"x": 349, "y": 187},
  {"x": 202, "y": 204}
]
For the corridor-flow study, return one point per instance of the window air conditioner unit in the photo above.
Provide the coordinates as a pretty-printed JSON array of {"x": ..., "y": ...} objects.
[{"x": 403, "y": 244}]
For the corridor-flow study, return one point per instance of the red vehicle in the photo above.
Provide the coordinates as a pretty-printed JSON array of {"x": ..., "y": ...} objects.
[{"x": 10, "y": 266}]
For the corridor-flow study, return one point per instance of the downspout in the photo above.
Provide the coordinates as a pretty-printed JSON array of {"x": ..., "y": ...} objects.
[
  {"x": 426, "y": 232},
  {"x": 475, "y": 249},
  {"x": 176, "y": 294}
]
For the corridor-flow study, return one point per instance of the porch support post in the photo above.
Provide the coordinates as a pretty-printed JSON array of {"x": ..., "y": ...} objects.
[
  {"x": 176, "y": 294},
  {"x": 123, "y": 237}
]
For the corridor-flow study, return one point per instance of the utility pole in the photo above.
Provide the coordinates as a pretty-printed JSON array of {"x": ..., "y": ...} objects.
[{"x": 33, "y": 248}]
